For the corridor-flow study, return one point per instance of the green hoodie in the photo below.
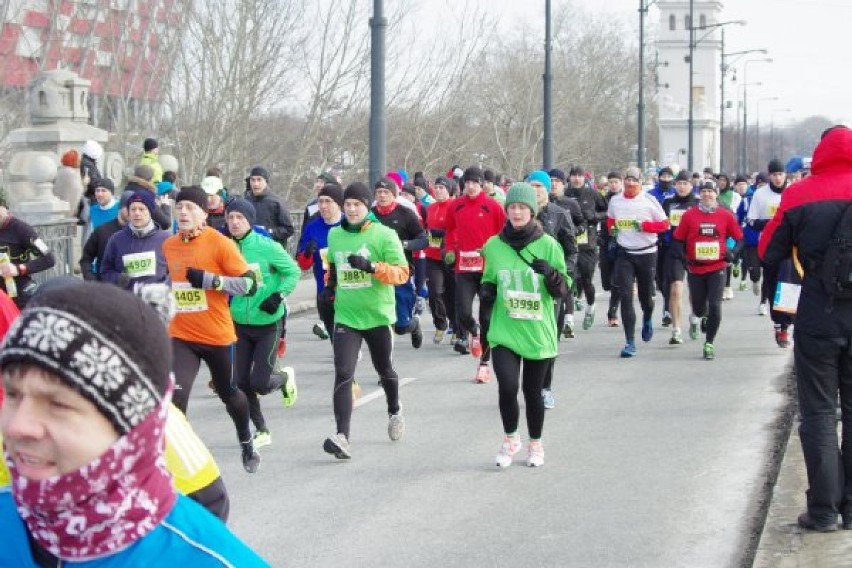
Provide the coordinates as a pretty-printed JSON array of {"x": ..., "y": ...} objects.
[{"x": 275, "y": 271}]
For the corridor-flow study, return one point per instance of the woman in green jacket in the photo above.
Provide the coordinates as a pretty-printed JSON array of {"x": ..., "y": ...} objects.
[
  {"x": 257, "y": 318},
  {"x": 524, "y": 272}
]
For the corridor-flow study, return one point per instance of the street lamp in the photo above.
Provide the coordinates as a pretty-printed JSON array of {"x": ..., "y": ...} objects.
[
  {"x": 757, "y": 125},
  {"x": 547, "y": 87},
  {"x": 692, "y": 43},
  {"x": 745, "y": 107},
  {"x": 640, "y": 144},
  {"x": 725, "y": 65}
]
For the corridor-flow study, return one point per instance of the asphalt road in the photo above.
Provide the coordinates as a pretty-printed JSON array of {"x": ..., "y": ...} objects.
[{"x": 658, "y": 461}]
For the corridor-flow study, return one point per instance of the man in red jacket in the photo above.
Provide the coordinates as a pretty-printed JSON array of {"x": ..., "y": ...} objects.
[{"x": 471, "y": 220}]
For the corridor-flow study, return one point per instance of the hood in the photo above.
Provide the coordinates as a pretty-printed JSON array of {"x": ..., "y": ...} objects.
[
  {"x": 834, "y": 152},
  {"x": 143, "y": 183}
]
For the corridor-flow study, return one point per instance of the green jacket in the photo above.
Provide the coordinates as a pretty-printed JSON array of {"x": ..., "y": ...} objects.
[
  {"x": 151, "y": 159},
  {"x": 276, "y": 273}
]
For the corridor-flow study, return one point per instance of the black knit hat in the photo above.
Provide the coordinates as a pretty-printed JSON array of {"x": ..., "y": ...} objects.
[
  {"x": 386, "y": 183},
  {"x": 333, "y": 191},
  {"x": 556, "y": 173},
  {"x": 106, "y": 183},
  {"x": 488, "y": 175},
  {"x": 150, "y": 144},
  {"x": 740, "y": 179},
  {"x": 115, "y": 352},
  {"x": 144, "y": 197},
  {"x": 359, "y": 191},
  {"x": 192, "y": 193},
  {"x": 243, "y": 206},
  {"x": 473, "y": 174},
  {"x": 664, "y": 171},
  {"x": 775, "y": 166},
  {"x": 259, "y": 171},
  {"x": 409, "y": 188},
  {"x": 684, "y": 175}
]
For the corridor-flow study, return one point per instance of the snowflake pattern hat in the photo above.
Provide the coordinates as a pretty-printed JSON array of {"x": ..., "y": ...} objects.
[{"x": 105, "y": 343}]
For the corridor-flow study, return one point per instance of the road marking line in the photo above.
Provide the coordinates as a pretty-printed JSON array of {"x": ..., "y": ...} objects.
[{"x": 380, "y": 392}]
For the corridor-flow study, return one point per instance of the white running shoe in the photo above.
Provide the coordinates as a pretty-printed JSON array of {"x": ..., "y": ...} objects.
[
  {"x": 396, "y": 426},
  {"x": 728, "y": 293},
  {"x": 511, "y": 446},
  {"x": 762, "y": 309},
  {"x": 535, "y": 455}
]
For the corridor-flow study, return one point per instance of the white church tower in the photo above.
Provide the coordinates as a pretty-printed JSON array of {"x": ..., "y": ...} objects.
[{"x": 673, "y": 74}]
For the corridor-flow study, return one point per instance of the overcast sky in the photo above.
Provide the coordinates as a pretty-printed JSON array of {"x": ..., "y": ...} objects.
[{"x": 808, "y": 40}]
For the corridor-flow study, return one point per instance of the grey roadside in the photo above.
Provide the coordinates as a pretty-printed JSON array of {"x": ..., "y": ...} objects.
[{"x": 304, "y": 296}]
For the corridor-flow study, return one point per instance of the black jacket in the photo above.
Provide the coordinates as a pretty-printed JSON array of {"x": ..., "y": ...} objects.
[
  {"x": 23, "y": 245},
  {"x": 593, "y": 206},
  {"x": 272, "y": 215},
  {"x": 556, "y": 223},
  {"x": 93, "y": 250},
  {"x": 407, "y": 227},
  {"x": 89, "y": 167}
]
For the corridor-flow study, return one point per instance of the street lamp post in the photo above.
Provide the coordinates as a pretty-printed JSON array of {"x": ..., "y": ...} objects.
[
  {"x": 378, "y": 134},
  {"x": 725, "y": 65},
  {"x": 757, "y": 124},
  {"x": 547, "y": 78},
  {"x": 640, "y": 139},
  {"x": 745, "y": 107}
]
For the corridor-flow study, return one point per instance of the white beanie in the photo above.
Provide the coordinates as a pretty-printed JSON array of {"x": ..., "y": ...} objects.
[{"x": 93, "y": 150}]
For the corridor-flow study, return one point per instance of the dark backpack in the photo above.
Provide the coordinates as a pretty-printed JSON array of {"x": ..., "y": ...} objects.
[{"x": 836, "y": 269}]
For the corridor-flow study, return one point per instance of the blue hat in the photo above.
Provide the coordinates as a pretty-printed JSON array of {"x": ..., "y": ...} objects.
[
  {"x": 144, "y": 197},
  {"x": 542, "y": 177},
  {"x": 795, "y": 164}
]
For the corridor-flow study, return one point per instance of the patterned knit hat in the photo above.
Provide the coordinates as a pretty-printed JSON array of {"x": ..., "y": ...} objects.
[
  {"x": 114, "y": 352},
  {"x": 522, "y": 193}
]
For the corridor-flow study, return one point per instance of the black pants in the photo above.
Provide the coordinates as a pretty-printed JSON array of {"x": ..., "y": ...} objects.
[
  {"x": 442, "y": 293},
  {"x": 187, "y": 359},
  {"x": 705, "y": 297},
  {"x": 254, "y": 359},
  {"x": 347, "y": 344},
  {"x": 607, "y": 267},
  {"x": 640, "y": 268},
  {"x": 507, "y": 368},
  {"x": 824, "y": 369},
  {"x": 326, "y": 314},
  {"x": 468, "y": 285},
  {"x": 587, "y": 260},
  {"x": 214, "y": 498},
  {"x": 751, "y": 263},
  {"x": 662, "y": 279}
]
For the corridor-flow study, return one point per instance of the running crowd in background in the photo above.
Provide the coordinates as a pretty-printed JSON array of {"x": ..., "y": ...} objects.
[{"x": 503, "y": 266}]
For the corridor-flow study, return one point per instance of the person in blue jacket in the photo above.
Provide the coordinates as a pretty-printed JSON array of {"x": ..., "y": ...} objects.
[
  {"x": 135, "y": 253},
  {"x": 86, "y": 370}
]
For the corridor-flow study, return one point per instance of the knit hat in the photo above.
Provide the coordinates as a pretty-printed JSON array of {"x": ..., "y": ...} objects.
[
  {"x": 740, "y": 179},
  {"x": 359, "y": 191},
  {"x": 665, "y": 170},
  {"x": 259, "y": 171},
  {"x": 403, "y": 176},
  {"x": 327, "y": 177},
  {"x": 194, "y": 194},
  {"x": 332, "y": 191},
  {"x": 488, "y": 175},
  {"x": 794, "y": 165},
  {"x": 150, "y": 144},
  {"x": 409, "y": 188},
  {"x": 71, "y": 159},
  {"x": 441, "y": 180},
  {"x": 709, "y": 170},
  {"x": 684, "y": 175},
  {"x": 634, "y": 173},
  {"x": 576, "y": 171},
  {"x": 473, "y": 174},
  {"x": 144, "y": 171},
  {"x": 523, "y": 193},
  {"x": 775, "y": 166},
  {"x": 124, "y": 201},
  {"x": 93, "y": 150},
  {"x": 397, "y": 179},
  {"x": 243, "y": 206},
  {"x": 761, "y": 177},
  {"x": 709, "y": 184},
  {"x": 106, "y": 183},
  {"x": 212, "y": 185},
  {"x": 114, "y": 352},
  {"x": 144, "y": 197},
  {"x": 558, "y": 174},
  {"x": 387, "y": 183},
  {"x": 542, "y": 177}
]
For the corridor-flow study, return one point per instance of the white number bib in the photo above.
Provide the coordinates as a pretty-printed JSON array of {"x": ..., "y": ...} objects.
[
  {"x": 707, "y": 251},
  {"x": 140, "y": 264},
  {"x": 471, "y": 261},
  {"x": 351, "y": 278},
  {"x": 523, "y": 305},
  {"x": 188, "y": 299}
]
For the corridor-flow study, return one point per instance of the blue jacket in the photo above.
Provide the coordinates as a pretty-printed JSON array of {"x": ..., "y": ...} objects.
[
  {"x": 188, "y": 536},
  {"x": 98, "y": 216},
  {"x": 124, "y": 242},
  {"x": 658, "y": 194},
  {"x": 317, "y": 231}
]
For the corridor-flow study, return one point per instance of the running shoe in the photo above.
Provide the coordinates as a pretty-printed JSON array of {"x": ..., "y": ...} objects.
[
  {"x": 338, "y": 446},
  {"x": 460, "y": 347},
  {"x": 709, "y": 351},
  {"x": 735, "y": 271},
  {"x": 289, "y": 390},
  {"x": 647, "y": 330},
  {"x": 588, "y": 320},
  {"x": 261, "y": 439},
  {"x": 568, "y": 330},
  {"x": 743, "y": 285},
  {"x": 419, "y": 305},
  {"x": 319, "y": 331},
  {"x": 439, "y": 336},
  {"x": 483, "y": 374},
  {"x": 728, "y": 293},
  {"x": 755, "y": 288},
  {"x": 578, "y": 304},
  {"x": 511, "y": 445},
  {"x": 547, "y": 397},
  {"x": 693, "y": 327},
  {"x": 782, "y": 337},
  {"x": 475, "y": 346},
  {"x": 762, "y": 309},
  {"x": 535, "y": 454},
  {"x": 613, "y": 322},
  {"x": 416, "y": 333},
  {"x": 629, "y": 350},
  {"x": 396, "y": 426},
  {"x": 677, "y": 338},
  {"x": 667, "y": 319},
  {"x": 251, "y": 459}
]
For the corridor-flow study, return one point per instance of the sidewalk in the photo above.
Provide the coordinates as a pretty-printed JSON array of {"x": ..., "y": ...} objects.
[{"x": 304, "y": 297}]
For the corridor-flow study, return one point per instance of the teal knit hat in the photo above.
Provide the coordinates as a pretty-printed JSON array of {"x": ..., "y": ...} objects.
[
  {"x": 542, "y": 177},
  {"x": 522, "y": 192}
]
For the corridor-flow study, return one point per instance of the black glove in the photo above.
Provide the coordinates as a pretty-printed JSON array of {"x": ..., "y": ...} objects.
[
  {"x": 361, "y": 263},
  {"x": 326, "y": 296},
  {"x": 553, "y": 281},
  {"x": 542, "y": 267},
  {"x": 310, "y": 248},
  {"x": 271, "y": 304},
  {"x": 195, "y": 277}
]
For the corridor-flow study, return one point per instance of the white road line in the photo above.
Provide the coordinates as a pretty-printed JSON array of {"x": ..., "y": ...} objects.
[{"x": 380, "y": 392}]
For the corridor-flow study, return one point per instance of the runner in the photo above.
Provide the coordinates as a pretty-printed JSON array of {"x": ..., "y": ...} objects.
[
  {"x": 701, "y": 237},
  {"x": 608, "y": 249},
  {"x": 257, "y": 318},
  {"x": 730, "y": 199},
  {"x": 22, "y": 254},
  {"x": 442, "y": 289},
  {"x": 524, "y": 274},
  {"x": 635, "y": 218},
  {"x": 472, "y": 220},
  {"x": 366, "y": 260},
  {"x": 673, "y": 267},
  {"x": 205, "y": 268}
]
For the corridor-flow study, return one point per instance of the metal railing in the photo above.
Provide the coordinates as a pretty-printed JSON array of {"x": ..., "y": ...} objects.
[{"x": 59, "y": 236}]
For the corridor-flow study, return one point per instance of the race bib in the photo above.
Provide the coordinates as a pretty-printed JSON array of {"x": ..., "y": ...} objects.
[
  {"x": 140, "y": 264},
  {"x": 583, "y": 238},
  {"x": 189, "y": 299},
  {"x": 523, "y": 305},
  {"x": 707, "y": 251},
  {"x": 772, "y": 209},
  {"x": 323, "y": 252},
  {"x": 675, "y": 215},
  {"x": 625, "y": 224},
  {"x": 435, "y": 241},
  {"x": 258, "y": 275},
  {"x": 471, "y": 261},
  {"x": 351, "y": 278}
]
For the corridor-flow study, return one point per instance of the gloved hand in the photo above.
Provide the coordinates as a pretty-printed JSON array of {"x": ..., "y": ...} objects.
[
  {"x": 542, "y": 267},
  {"x": 450, "y": 257},
  {"x": 310, "y": 248},
  {"x": 271, "y": 304},
  {"x": 326, "y": 296},
  {"x": 637, "y": 225},
  {"x": 195, "y": 277},
  {"x": 361, "y": 263}
]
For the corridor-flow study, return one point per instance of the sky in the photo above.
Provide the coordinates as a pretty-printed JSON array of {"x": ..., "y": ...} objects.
[{"x": 808, "y": 40}]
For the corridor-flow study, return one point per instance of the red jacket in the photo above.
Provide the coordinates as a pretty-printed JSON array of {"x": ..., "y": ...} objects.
[
  {"x": 436, "y": 227},
  {"x": 705, "y": 237},
  {"x": 471, "y": 222}
]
